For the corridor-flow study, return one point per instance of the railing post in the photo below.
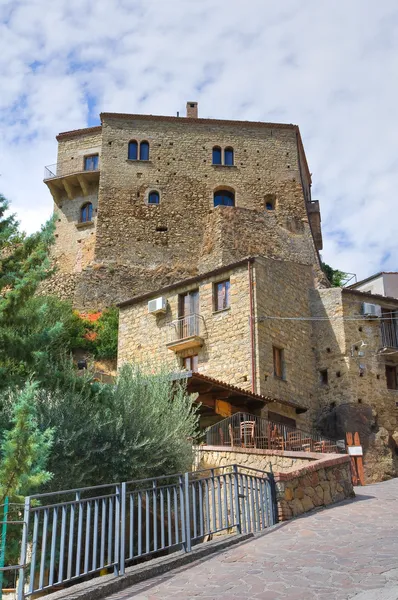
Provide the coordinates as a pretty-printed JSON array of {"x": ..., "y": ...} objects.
[
  {"x": 116, "y": 568},
  {"x": 24, "y": 545},
  {"x": 122, "y": 529},
  {"x": 274, "y": 508},
  {"x": 237, "y": 503},
  {"x": 188, "y": 546}
]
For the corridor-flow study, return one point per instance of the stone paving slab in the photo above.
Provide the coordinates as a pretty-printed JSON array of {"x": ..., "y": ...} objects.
[{"x": 342, "y": 552}]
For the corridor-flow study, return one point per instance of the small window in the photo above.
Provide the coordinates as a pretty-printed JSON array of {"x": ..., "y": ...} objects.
[
  {"x": 224, "y": 198},
  {"x": 279, "y": 362},
  {"x": 229, "y": 157},
  {"x": 144, "y": 151},
  {"x": 392, "y": 377},
  {"x": 269, "y": 202},
  {"x": 216, "y": 155},
  {"x": 191, "y": 363},
  {"x": 153, "y": 198},
  {"x": 86, "y": 213},
  {"x": 324, "y": 376},
  {"x": 221, "y": 295},
  {"x": 133, "y": 150},
  {"x": 91, "y": 162}
]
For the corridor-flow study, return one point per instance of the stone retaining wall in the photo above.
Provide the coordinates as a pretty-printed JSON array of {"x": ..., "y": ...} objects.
[{"x": 304, "y": 480}]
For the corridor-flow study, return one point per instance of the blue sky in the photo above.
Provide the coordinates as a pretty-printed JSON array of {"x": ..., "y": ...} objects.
[{"x": 330, "y": 67}]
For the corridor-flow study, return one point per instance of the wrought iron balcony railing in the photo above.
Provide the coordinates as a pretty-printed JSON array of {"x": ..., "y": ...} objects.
[
  {"x": 389, "y": 333},
  {"x": 64, "y": 168},
  {"x": 186, "y": 332}
]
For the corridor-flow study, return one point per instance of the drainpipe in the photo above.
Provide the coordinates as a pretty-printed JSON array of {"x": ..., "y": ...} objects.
[{"x": 251, "y": 323}]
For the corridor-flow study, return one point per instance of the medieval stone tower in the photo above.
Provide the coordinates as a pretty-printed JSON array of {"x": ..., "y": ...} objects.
[{"x": 143, "y": 201}]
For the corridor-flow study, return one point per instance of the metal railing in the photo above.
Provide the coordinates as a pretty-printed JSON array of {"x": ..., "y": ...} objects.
[
  {"x": 185, "y": 327},
  {"x": 70, "y": 167},
  {"x": 250, "y": 431},
  {"x": 389, "y": 333},
  {"x": 77, "y": 533}
]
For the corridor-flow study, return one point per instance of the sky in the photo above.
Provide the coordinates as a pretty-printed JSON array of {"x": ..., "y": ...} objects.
[{"x": 330, "y": 67}]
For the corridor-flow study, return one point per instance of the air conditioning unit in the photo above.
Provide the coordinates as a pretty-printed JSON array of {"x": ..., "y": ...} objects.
[
  {"x": 371, "y": 310},
  {"x": 157, "y": 305}
]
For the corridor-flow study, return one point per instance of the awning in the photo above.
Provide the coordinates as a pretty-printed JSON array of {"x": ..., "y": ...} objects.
[{"x": 210, "y": 390}]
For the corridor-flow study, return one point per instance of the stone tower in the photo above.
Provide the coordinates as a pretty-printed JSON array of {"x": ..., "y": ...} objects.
[{"x": 143, "y": 201}]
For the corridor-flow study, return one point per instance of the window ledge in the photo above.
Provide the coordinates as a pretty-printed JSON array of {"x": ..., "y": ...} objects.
[
  {"x": 222, "y": 310},
  {"x": 85, "y": 224},
  {"x": 224, "y": 166},
  {"x": 138, "y": 160}
]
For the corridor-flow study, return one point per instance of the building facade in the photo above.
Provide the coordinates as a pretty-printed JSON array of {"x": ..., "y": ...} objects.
[
  {"x": 205, "y": 234},
  {"x": 143, "y": 201}
]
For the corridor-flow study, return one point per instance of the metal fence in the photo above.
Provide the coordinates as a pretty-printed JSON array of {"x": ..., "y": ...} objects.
[
  {"x": 70, "y": 535},
  {"x": 63, "y": 168},
  {"x": 250, "y": 431}
]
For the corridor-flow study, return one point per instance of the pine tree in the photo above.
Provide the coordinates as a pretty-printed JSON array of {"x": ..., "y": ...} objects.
[{"x": 24, "y": 448}]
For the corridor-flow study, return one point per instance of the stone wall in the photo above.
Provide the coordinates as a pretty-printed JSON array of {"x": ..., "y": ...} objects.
[
  {"x": 280, "y": 461},
  {"x": 324, "y": 482},
  {"x": 226, "y": 351},
  {"x": 281, "y": 290},
  {"x": 303, "y": 480},
  {"x": 355, "y": 396}
]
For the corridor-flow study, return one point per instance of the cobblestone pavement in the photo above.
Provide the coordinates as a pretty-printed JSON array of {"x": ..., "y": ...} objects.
[{"x": 346, "y": 551}]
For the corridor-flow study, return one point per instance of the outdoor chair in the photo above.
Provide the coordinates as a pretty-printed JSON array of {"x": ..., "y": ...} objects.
[
  {"x": 294, "y": 441},
  {"x": 277, "y": 440},
  {"x": 247, "y": 434},
  {"x": 234, "y": 435}
]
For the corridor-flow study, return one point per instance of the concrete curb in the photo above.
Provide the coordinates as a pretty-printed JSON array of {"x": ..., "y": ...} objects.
[{"x": 101, "y": 587}]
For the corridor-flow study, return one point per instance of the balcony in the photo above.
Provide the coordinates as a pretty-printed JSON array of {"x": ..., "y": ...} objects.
[
  {"x": 389, "y": 340},
  {"x": 186, "y": 333},
  {"x": 73, "y": 177}
]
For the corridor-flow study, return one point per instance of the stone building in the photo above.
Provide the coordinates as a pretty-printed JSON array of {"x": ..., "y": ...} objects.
[
  {"x": 205, "y": 234},
  {"x": 143, "y": 201}
]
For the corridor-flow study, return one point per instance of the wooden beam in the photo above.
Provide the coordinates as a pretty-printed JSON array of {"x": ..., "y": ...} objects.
[
  {"x": 68, "y": 189},
  {"x": 84, "y": 185},
  {"x": 55, "y": 191}
]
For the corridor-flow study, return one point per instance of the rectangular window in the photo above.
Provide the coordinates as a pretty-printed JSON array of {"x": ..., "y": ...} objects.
[
  {"x": 221, "y": 295},
  {"x": 279, "y": 362},
  {"x": 324, "y": 376},
  {"x": 191, "y": 363},
  {"x": 91, "y": 162},
  {"x": 392, "y": 377}
]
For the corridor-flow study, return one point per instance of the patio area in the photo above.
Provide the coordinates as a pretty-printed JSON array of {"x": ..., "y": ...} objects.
[{"x": 246, "y": 430}]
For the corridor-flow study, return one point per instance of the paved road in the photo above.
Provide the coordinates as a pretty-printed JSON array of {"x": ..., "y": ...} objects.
[{"x": 348, "y": 551}]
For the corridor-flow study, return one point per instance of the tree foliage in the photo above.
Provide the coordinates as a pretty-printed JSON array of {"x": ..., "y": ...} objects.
[
  {"x": 25, "y": 448},
  {"x": 335, "y": 276},
  {"x": 141, "y": 427}
]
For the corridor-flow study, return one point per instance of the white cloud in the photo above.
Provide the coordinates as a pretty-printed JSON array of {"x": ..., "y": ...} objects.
[{"x": 329, "y": 67}]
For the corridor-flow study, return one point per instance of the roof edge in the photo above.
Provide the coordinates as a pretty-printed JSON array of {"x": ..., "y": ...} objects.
[
  {"x": 205, "y": 121},
  {"x": 362, "y": 294},
  {"x": 74, "y": 132}
]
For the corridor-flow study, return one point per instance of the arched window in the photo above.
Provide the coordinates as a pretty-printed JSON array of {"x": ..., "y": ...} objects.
[
  {"x": 86, "y": 213},
  {"x": 229, "y": 157},
  {"x": 133, "y": 150},
  {"x": 216, "y": 155},
  {"x": 144, "y": 151},
  {"x": 224, "y": 198},
  {"x": 153, "y": 198}
]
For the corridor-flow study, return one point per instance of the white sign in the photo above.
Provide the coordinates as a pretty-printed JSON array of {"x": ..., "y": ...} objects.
[{"x": 355, "y": 450}]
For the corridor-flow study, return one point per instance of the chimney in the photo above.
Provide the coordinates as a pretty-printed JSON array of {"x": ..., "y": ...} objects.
[{"x": 192, "y": 110}]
